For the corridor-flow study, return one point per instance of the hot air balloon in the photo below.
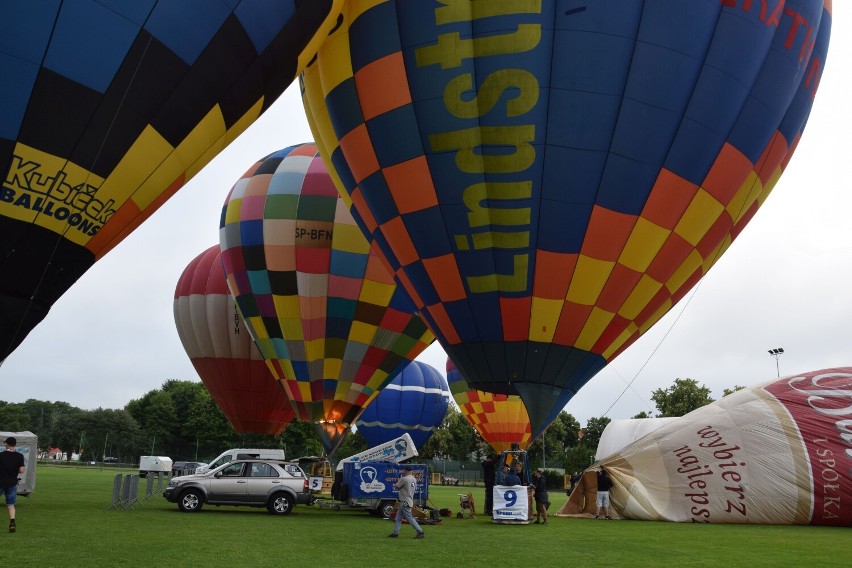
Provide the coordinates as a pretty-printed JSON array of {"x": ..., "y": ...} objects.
[
  {"x": 321, "y": 305},
  {"x": 222, "y": 351},
  {"x": 549, "y": 178},
  {"x": 109, "y": 108},
  {"x": 414, "y": 402},
  {"x": 500, "y": 419},
  {"x": 776, "y": 453}
]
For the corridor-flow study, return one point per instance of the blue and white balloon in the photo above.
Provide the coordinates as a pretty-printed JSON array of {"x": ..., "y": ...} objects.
[{"x": 414, "y": 402}]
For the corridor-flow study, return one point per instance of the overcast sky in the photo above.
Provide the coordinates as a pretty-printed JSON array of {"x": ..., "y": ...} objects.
[{"x": 785, "y": 282}]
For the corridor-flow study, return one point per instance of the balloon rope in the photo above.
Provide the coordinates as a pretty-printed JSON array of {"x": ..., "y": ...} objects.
[{"x": 665, "y": 335}]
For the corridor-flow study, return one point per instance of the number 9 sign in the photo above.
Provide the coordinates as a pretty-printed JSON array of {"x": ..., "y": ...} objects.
[{"x": 510, "y": 497}]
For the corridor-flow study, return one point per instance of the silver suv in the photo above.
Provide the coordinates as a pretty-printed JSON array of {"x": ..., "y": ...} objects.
[{"x": 276, "y": 485}]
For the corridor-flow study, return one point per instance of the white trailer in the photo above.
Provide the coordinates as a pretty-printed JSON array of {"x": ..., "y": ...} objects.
[
  {"x": 154, "y": 464},
  {"x": 27, "y": 444}
]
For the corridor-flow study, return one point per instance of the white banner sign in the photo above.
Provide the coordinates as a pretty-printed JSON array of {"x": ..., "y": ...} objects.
[
  {"x": 510, "y": 503},
  {"x": 316, "y": 483}
]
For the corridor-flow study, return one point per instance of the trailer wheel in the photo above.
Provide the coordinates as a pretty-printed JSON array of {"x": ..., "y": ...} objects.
[
  {"x": 191, "y": 501},
  {"x": 386, "y": 509}
]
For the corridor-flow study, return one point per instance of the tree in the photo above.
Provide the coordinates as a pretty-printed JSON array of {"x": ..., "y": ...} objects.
[
  {"x": 13, "y": 417},
  {"x": 353, "y": 443},
  {"x": 301, "y": 439},
  {"x": 736, "y": 388},
  {"x": 109, "y": 432},
  {"x": 594, "y": 431},
  {"x": 643, "y": 414},
  {"x": 558, "y": 439},
  {"x": 681, "y": 398},
  {"x": 66, "y": 433}
]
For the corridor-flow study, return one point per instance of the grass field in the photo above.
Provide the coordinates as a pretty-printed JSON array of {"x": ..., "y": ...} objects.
[{"x": 66, "y": 523}]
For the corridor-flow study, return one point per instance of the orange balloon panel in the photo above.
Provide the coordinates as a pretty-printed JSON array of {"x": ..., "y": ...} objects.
[
  {"x": 502, "y": 420},
  {"x": 222, "y": 351}
]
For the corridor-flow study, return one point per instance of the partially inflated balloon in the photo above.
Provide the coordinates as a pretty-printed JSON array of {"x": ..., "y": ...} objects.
[
  {"x": 776, "y": 453},
  {"x": 322, "y": 306},
  {"x": 415, "y": 402},
  {"x": 500, "y": 419},
  {"x": 108, "y": 108},
  {"x": 550, "y": 177},
  {"x": 222, "y": 351}
]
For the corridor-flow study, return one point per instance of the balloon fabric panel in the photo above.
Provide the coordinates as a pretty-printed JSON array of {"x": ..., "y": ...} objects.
[
  {"x": 323, "y": 309},
  {"x": 500, "y": 419},
  {"x": 414, "y": 402},
  {"x": 577, "y": 171},
  {"x": 222, "y": 351},
  {"x": 109, "y": 109}
]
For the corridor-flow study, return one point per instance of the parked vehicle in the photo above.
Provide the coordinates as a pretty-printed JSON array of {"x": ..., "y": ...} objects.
[
  {"x": 369, "y": 485},
  {"x": 274, "y": 484},
  {"x": 241, "y": 454},
  {"x": 185, "y": 467},
  {"x": 154, "y": 464}
]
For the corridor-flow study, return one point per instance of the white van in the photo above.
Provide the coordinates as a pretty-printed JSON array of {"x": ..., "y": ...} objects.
[{"x": 240, "y": 454}]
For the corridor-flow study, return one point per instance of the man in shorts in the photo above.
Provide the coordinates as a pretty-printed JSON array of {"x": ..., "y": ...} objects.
[
  {"x": 604, "y": 485},
  {"x": 11, "y": 466}
]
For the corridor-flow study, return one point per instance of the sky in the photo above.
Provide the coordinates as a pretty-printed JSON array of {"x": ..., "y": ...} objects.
[{"x": 784, "y": 283}]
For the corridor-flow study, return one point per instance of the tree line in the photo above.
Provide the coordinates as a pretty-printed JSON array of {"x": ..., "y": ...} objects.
[{"x": 181, "y": 420}]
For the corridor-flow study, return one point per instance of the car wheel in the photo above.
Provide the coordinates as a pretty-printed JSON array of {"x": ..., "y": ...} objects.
[
  {"x": 191, "y": 501},
  {"x": 280, "y": 504},
  {"x": 387, "y": 509}
]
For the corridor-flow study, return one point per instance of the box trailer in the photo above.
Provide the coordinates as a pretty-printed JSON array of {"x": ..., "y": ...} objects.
[
  {"x": 154, "y": 464},
  {"x": 369, "y": 485},
  {"x": 27, "y": 444}
]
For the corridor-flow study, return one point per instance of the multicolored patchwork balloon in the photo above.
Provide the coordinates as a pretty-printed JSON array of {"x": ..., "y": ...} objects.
[
  {"x": 108, "y": 108},
  {"x": 551, "y": 177},
  {"x": 500, "y": 419},
  {"x": 415, "y": 402},
  {"x": 322, "y": 307},
  {"x": 222, "y": 351}
]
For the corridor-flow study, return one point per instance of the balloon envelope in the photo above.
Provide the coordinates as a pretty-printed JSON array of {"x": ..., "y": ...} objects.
[
  {"x": 500, "y": 419},
  {"x": 222, "y": 351},
  {"x": 551, "y": 180},
  {"x": 776, "y": 453},
  {"x": 108, "y": 108},
  {"x": 415, "y": 401},
  {"x": 321, "y": 305}
]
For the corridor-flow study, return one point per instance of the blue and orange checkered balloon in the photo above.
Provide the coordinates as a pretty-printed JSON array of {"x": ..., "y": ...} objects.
[
  {"x": 548, "y": 178},
  {"x": 319, "y": 302},
  {"x": 501, "y": 419}
]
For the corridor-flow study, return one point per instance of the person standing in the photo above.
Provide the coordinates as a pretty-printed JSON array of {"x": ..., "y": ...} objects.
[
  {"x": 11, "y": 466},
  {"x": 406, "y": 486},
  {"x": 542, "y": 500},
  {"x": 490, "y": 477},
  {"x": 604, "y": 485}
]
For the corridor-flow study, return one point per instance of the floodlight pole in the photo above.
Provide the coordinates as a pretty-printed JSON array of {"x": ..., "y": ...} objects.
[{"x": 776, "y": 353}]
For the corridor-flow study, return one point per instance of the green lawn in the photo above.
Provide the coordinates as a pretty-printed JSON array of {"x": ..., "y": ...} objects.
[{"x": 66, "y": 523}]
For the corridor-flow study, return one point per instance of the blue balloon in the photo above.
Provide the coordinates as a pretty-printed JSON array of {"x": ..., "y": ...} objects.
[{"x": 414, "y": 402}]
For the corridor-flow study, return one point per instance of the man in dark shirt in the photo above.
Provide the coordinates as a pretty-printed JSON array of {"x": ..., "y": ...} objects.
[
  {"x": 489, "y": 476},
  {"x": 11, "y": 466}
]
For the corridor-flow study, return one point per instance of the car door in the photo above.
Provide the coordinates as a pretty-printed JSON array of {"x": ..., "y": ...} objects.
[
  {"x": 229, "y": 485},
  {"x": 263, "y": 478}
]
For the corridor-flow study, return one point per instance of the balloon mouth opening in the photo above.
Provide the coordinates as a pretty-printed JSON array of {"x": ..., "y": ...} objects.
[
  {"x": 333, "y": 427},
  {"x": 331, "y": 433}
]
